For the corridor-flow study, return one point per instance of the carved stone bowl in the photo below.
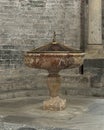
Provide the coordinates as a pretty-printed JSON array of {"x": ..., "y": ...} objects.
[{"x": 54, "y": 61}]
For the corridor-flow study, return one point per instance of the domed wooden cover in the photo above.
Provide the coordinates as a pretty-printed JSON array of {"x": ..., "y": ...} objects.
[{"x": 54, "y": 47}]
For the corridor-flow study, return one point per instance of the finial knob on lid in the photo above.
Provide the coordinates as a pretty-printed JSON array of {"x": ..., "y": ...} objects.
[{"x": 54, "y": 38}]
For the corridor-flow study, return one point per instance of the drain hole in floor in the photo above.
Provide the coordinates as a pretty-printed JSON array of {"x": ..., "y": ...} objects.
[{"x": 26, "y": 128}]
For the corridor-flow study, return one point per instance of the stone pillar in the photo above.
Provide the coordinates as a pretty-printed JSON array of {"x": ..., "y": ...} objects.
[{"x": 95, "y": 25}]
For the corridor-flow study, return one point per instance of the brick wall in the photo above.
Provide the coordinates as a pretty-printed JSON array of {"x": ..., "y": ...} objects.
[{"x": 25, "y": 24}]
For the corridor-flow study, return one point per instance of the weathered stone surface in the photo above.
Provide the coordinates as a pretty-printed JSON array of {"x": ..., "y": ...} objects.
[
  {"x": 93, "y": 63},
  {"x": 54, "y": 62},
  {"x": 96, "y": 68},
  {"x": 54, "y": 104},
  {"x": 82, "y": 113},
  {"x": 95, "y": 22}
]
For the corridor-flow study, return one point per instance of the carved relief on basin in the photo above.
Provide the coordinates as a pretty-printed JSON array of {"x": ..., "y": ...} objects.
[{"x": 54, "y": 61}]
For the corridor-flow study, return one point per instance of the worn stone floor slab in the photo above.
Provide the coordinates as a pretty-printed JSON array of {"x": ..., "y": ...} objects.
[{"x": 82, "y": 113}]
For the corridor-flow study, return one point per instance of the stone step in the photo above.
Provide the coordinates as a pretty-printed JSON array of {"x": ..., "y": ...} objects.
[
  {"x": 39, "y": 82},
  {"x": 32, "y": 83},
  {"x": 22, "y": 93},
  {"x": 97, "y": 92},
  {"x": 28, "y": 85}
]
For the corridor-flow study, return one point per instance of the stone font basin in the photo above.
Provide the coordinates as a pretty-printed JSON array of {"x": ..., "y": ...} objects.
[
  {"x": 54, "y": 61},
  {"x": 54, "y": 57}
]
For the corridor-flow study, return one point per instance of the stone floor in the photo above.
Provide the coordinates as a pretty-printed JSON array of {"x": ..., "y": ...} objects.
[{"x": 82, "y": 113}]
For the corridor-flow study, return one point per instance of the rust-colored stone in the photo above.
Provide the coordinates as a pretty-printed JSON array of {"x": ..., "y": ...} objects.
[
  {"x": 53, "y": 83},
  {"x": 55, "y": 61}
]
